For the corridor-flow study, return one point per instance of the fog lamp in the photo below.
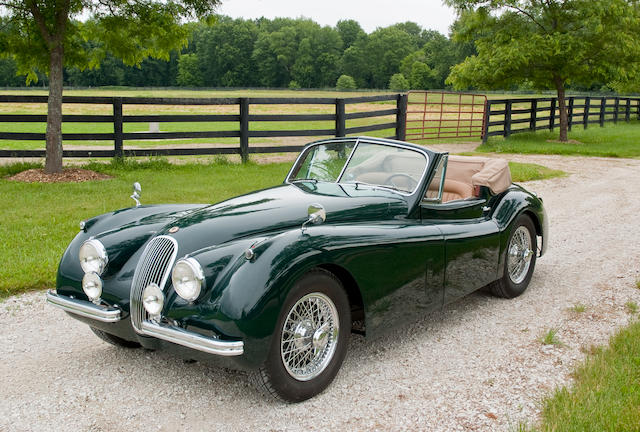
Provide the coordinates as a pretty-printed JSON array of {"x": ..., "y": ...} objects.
[
  {"x": 92, "y": 286},
  {"x": 153, "y": 299}
]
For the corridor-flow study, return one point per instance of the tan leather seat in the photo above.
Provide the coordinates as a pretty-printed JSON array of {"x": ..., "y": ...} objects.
[{"x": 455, "y": 190}]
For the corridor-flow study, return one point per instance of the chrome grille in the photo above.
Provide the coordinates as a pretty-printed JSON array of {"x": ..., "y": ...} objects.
[{"x": 154, "y": 267}]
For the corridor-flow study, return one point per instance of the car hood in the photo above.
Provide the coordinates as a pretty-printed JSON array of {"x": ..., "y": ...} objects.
[{"x": 279, "y": 208}]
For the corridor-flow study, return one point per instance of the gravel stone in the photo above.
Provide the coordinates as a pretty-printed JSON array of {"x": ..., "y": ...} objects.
[{"x": 476, "y": 365}]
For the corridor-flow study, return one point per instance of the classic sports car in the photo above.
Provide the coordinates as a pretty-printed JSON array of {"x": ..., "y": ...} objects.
[{"x": 363, "y": 234}]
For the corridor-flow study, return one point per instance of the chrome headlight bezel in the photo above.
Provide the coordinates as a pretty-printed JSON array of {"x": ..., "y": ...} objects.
[
  {"x": 94, "y": 249},
  {"x": 192, "y": 273}
]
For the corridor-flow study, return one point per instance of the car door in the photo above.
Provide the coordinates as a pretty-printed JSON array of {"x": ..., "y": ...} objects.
[{"x": 471, "y": 239}]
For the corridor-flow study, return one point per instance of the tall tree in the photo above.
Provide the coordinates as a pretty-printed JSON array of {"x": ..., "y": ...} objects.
[
  {"x": 549, "y": 43},
  {"x": 45, "y": 35}
]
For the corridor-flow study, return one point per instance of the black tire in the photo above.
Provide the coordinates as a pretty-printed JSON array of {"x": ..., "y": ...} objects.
[
  {"x": 506, "y": 287},
  {"x": 273, "y": 378},
  {"x": 114, "y": 340}
]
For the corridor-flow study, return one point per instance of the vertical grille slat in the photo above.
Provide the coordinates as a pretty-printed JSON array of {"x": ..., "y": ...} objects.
[{"x": 154, "y": 267}]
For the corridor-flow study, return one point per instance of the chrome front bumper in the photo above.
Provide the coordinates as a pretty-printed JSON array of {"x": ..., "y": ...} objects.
[
  {"x": 172, "y": 334},
  {"x": 84, "y": 308}
]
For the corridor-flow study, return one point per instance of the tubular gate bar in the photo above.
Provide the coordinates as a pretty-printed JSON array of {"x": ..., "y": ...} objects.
[
  {"x": 508, "y": 116},
  {"x": 433, "y": 115},
  {"x": 243, "y": 120}
]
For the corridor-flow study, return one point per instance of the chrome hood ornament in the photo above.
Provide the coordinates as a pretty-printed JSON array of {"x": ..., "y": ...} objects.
[{"x": 136, "y": 193}]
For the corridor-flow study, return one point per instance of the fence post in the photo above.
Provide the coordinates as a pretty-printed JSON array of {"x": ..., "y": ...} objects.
[
  {"x": 616, "y": 109},
  {"x": 603, "y": 110},
  {"x": 401, "y": 116},
  {"x": 486, "y": 119},
  {"x": 638, "y": 103},
  {"x": 507, "y": 119},
  {"x": 570, "y": 113},
  {"x": 587, "y": 108},
  {"x": 552, "y": 114},
  {"x": 244, "y": 129},
  {"x": 117, "y": 127},
  {"x": 534, "y": 115},
  {"x": 341, "y": 121},
  {"x": 627, "y": 112}
]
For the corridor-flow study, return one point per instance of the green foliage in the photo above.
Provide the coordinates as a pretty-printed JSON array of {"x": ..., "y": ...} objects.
[
  {"x": 550, "y": 337},
  {"x": 131, "y": 31},
  {"x": 225, "y": 52},
  {"x": 398, "y": 83},
  {"x": 345, "y": 82},
  {"x": 429, "y": 67},
  {"x": 388, "y": 46},
  {"x": 605, "y": 395},
  {"x": 631, "y": 307},
  {"x": 189, "y": 73},
  {"x": 578, "y": 308},
  {"x": 581, "y": 41},
  {"x": 293, "y": 85},
  {"x": 350, "y": 31}
]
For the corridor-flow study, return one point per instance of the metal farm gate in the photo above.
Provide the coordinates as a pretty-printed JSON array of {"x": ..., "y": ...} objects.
[{"x": 433, "y": 115}]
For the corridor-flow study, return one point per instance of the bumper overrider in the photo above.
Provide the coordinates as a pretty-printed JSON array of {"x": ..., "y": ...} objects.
[{"x": 168, "y": 333}]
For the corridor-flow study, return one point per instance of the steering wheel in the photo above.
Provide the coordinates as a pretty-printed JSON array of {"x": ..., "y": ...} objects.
[{"x": 412, "y": 183}]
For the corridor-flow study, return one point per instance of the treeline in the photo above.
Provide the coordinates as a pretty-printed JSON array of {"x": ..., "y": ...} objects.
[{"x": 283, "y": 53}]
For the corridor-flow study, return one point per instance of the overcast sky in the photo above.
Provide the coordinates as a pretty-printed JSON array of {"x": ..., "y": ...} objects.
[{"x": 429, "y": 14}]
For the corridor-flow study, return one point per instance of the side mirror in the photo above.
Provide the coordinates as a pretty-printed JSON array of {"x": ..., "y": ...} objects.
[
  {"x": 317, "y": 215},
  {"x": 136, "y": 193}
]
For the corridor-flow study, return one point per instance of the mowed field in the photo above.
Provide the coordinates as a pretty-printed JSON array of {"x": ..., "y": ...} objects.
[
  {"x": 129, "y": 109},
  {"x": 427, "y": 121}
]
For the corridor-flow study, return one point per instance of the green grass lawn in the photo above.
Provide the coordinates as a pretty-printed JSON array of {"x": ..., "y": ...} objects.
[
  {"x": 612, "y": 140},
  {"x": 39, "y": 220},
  {"x": 606, "y": 392}
]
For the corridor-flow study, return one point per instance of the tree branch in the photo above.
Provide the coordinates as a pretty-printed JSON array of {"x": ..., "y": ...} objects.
[
  {"x": 530, "y": 16},
  {"x": 12, "y": 5},
  {"x": 40, "y": 21}
]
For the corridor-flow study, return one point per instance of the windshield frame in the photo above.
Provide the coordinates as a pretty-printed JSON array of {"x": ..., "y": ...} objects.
[{"x": 358, "y": 141}]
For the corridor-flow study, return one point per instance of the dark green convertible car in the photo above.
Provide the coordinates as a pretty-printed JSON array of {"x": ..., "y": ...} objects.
[{"x": 363, "y": 235}]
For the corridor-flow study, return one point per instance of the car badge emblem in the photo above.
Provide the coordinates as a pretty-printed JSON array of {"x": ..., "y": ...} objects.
[{"x": 173, "y": 229}]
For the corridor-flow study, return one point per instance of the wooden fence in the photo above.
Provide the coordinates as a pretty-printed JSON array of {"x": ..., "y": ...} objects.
[
  {"x": 243, "y": 120},
  {"x": 504, "y": 117}
]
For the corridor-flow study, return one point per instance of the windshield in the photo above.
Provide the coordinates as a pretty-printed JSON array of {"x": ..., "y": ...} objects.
[{"x": 365, "y": 163}]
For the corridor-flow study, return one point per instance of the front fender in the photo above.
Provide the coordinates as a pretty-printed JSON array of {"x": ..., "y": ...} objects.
[{"x": 244, "y": 297}]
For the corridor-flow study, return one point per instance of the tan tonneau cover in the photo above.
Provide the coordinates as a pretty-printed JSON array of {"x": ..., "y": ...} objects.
[{"x": 480, "y": 171}]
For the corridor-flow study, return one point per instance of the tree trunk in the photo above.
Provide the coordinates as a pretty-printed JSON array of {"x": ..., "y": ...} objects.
[
  {"x": 562, "y": 107},
  {"x": 53, "y": 162}
]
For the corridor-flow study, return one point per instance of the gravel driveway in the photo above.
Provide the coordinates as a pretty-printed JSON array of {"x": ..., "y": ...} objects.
[{"x": 476, "y": 365}]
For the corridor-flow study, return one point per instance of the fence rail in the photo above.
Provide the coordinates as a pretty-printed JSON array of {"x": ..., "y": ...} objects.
[
  {"x": 243, "y": 120},
  {"x": 504, "y": 117}
]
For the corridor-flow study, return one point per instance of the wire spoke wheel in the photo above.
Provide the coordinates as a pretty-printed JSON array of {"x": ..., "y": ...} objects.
[
  {"x": 309, "y": 336},
  {"x": 519, "y": 254}
]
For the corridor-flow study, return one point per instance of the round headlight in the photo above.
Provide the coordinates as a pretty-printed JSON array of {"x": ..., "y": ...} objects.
[
  {"x": 187, "y": 278},
  {"x": 92, "y": 286},
  {"x": 153, "y": 299},
  {"x": 93, "y": 256}
]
